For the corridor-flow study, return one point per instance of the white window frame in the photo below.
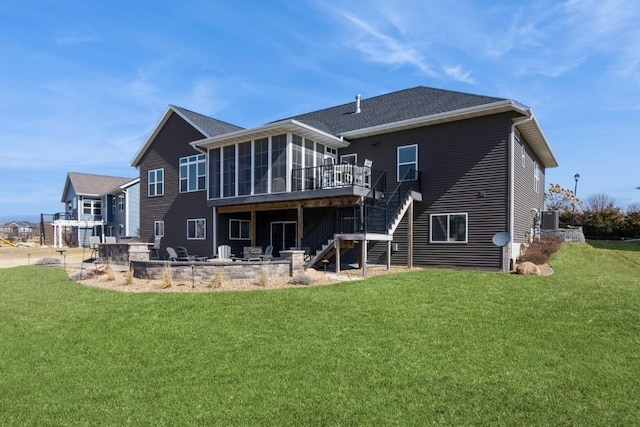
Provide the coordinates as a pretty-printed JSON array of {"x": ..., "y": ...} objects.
[
  {"x": 524, "y": 156},
  {"x": 91, "y": 207},
  {"x": 399, "y": 164},
  {"x": 240, "y": 222},
  {"x": 158, "y": 228},
  {"x": 120, "y": 202},
  {"x": 536, "y": 177},
  {"x": 347, "y": 156},
  {"x": 187, "y": 161},
  {"x": 448, "y": 233},
  {"x": 199, "y": 229},
  {"x": 155, "y": 183}
]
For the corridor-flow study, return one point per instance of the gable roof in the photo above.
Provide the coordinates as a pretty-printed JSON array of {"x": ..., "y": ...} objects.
[
  {"x": 405, "y": 109},
  {"x": 393, "y": 107},
  {"x": 207, "y": 126},
  {"x": 123, "y": 187},
  {"x": 85, "y": 184}
]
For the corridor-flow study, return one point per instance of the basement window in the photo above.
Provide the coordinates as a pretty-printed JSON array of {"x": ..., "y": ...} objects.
[{"x": 449, "y": 228}]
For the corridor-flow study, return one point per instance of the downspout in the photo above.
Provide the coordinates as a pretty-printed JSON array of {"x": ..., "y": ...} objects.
[{"x": 512, "y": 191}]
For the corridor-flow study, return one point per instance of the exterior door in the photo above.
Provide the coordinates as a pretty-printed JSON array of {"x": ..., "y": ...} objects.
[{"x": 283, "y": 235}]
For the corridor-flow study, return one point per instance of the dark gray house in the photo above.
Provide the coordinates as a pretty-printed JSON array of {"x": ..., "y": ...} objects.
[{"x": 421, "y": 176}]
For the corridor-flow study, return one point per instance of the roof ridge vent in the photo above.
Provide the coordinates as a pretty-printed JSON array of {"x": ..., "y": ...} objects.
[{"x": 357, "y": 104}]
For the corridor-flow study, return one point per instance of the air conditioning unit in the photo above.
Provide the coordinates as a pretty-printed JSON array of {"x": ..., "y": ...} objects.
[{"x": 550, "y": 220}]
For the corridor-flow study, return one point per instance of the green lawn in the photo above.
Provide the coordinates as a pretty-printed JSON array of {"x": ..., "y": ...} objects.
[{"x": 430, "y": 347}]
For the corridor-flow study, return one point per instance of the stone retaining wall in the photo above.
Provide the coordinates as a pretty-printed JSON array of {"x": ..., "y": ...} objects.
[
  {"x": 571, "y": 235},
  {"x": 122, "y": 253},
  {"x": 205, "y": 271}
]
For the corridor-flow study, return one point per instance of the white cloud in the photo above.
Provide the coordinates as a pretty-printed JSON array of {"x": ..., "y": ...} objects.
[
  {"x": 384, "y": 48},
  {"x": 457, "y": 73},
  {"x": 73, "y": 38}
]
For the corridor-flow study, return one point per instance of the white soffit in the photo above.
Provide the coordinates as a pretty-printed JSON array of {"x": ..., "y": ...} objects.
[{"x": 277, "y": 128}]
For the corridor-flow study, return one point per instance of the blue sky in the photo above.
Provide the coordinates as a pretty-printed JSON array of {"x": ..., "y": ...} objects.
[{"x": 83, "y": 83}]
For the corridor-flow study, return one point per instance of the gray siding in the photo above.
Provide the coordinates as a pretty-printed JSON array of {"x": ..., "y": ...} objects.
[
  {"x": 525, "y": 196},
  {"x": 133, "y": 198},
  {"x": 174, "y": 208},
  {"x": 464, "y": 168}
]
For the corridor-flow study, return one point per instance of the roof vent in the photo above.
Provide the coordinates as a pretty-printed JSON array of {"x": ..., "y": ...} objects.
[{"x": 357, "y": 104}]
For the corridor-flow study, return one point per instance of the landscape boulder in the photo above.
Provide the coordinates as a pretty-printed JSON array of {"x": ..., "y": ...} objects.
[{"x": 528, "y": 269}]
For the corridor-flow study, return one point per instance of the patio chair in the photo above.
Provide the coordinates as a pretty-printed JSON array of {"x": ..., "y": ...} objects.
[
  {"x": 94, "y": 244},
  {"x": 224, "y": 252},
  {"x": 154, "y": 252},
  {"x": 363, "y": 175},
  {"x": 183, "y": 253},
  {"x": 251, "y": 253},
  {"x": 173, "y": 256},
  {"x": 268, "y": 253}
]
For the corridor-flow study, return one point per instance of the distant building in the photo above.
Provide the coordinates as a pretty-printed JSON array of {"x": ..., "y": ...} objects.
[
  {"x": 18, "y": 231},
  {"x": 97, "y": 205}
]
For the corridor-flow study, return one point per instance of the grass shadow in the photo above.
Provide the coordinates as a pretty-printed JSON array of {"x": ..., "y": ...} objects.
[{"x": 616, "y": 245}]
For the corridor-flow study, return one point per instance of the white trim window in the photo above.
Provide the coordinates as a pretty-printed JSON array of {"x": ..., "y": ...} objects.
[
  {"x": 193, "y": 173},
  {"x": 523, "y": 156},
  {"x": 120, "y": 202},
  {"x": 350, "y": 159},
  {"x": 156, "y": 182},
  {"x": 536, "y": 177},
  {"x": 449, "y": 228},
  {"x": 91, "y": 207},
  {"x": 196, "y": 229},
  {"x": 158, "y": 228},
  {"x": 407, "y": 159},
  {"x": 239, "y": 229}
]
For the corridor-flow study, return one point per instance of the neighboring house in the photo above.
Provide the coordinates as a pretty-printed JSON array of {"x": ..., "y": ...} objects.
[
  {"x": 19, "y": 231},
  {"x": 122, "y": 213},
  {"x": 88, "y": 199},
  {"x": 420, "y": 176}
]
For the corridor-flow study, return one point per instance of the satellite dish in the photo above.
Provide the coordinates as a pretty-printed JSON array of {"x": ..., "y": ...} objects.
[{"x": 501, "y": 239}]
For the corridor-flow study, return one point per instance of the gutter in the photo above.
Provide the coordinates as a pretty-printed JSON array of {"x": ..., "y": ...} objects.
[{"x": 512, "y": 220}]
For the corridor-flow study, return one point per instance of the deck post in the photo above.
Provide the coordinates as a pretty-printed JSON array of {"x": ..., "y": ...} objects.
[
  {"x": 253, "y": 227},
  {"x": 388, "y": 255},
  {"x": 300, "y": 225},
  {"x": 336, "y": 243},
  {"x": 363, "y": 254},
  {"x": 410, "y": 236}
]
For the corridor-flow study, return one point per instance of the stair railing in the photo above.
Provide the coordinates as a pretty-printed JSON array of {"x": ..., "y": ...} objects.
[{"x": 378, "y": 217}]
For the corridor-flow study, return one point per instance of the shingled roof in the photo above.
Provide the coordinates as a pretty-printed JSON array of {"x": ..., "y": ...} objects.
[
  {"x": 92, "y": 185},
  {"x": 393, "y": 107},
  {"x": 207, "y": 126}
]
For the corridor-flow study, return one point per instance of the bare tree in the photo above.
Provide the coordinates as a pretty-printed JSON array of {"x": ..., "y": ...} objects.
[{"x": 600, "y": 202}]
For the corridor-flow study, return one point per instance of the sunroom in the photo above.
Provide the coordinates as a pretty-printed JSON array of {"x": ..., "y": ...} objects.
[{"x": 287, "y": 160}]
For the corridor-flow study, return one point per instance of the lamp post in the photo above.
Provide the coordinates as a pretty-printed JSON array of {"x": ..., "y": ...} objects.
[{"x": 575, "y": 197}]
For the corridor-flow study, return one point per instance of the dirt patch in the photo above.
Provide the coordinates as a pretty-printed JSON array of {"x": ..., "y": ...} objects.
[
  {"x": 123, "y": 282},
  {"x": 30, "y": 255}
]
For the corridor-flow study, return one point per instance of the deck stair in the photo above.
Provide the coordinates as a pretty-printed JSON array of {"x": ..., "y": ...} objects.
[
  {"x": 382, "y": 213},
  {"x": 328, "y": 251}
]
